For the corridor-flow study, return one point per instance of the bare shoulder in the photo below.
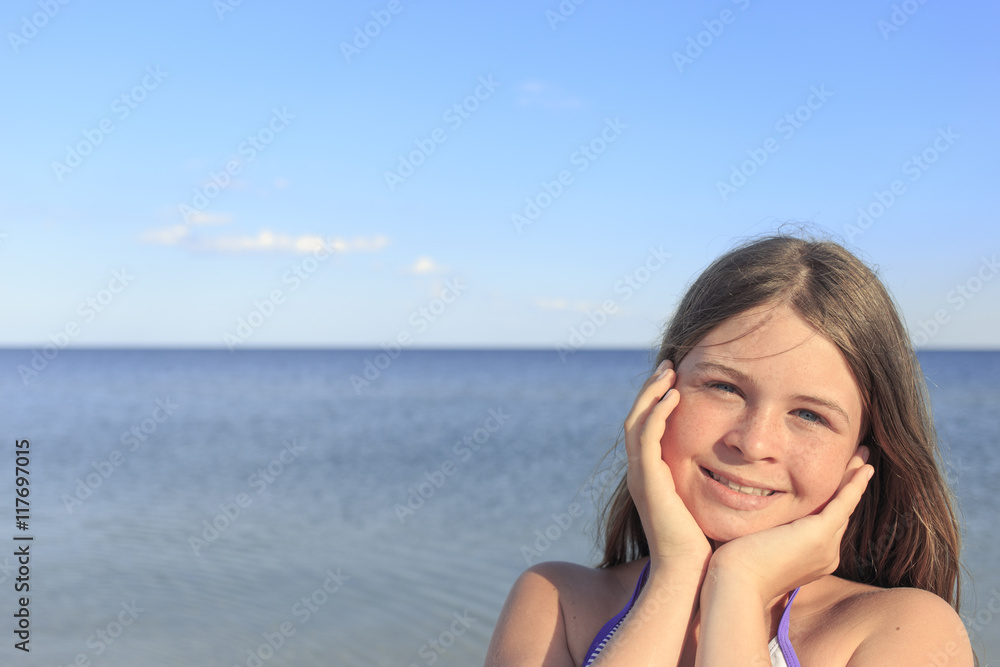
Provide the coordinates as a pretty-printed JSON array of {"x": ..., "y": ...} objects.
[
  {"x": 912, "y": 626},
  {"x": 553, "y": 611},
  {"x": 866, "y": 625}
]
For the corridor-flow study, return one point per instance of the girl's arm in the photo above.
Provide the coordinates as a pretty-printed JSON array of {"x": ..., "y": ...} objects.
[
  {"x": 532, "y": 628},
  {"x": 904, "y": 626},
  {"x": 655, "y": 629},
  {"x": 532, "y": 632}
]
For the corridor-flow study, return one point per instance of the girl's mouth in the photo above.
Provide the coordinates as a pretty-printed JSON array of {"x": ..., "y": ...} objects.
[{"x": 748, "y": 490}]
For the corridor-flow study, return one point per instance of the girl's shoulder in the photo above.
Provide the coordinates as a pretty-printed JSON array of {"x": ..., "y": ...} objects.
[
  {"x": 591, "y": 584},
  {"x": 557, "y": 603},
  {"x": 863, "y": 624}
]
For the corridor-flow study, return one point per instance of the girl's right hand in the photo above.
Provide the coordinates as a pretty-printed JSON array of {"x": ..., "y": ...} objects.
[{"x": 673, "y": 535}]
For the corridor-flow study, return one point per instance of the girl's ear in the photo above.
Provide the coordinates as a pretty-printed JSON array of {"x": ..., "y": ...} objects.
[{"x": 863, "y": 452}]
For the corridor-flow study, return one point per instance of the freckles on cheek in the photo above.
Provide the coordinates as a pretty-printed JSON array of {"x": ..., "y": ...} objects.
[{"x": 816, "y": 481}]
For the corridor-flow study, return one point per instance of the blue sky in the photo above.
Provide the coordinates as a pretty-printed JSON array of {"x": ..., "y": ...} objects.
[{"x": 230, "y": 161}]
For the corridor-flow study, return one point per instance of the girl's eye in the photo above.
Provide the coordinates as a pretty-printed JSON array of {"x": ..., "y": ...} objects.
[
  {"x": 723, "y": 387},
  {"x": 810, "y": 416}
]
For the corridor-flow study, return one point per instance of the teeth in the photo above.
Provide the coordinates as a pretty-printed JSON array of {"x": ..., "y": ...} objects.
[{"x": 749, "y": 490}]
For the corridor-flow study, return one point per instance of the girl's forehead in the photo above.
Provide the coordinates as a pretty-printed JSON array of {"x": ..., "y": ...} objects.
[
  {"x": 772, "y": 339},
  {"x": 762, "y": 331}
]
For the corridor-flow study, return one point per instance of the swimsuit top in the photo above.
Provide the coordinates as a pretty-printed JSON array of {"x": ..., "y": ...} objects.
[{"x": 780, "y": 648}]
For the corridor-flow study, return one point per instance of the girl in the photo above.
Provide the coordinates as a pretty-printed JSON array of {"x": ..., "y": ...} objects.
[{"x": 782, "y": 502}]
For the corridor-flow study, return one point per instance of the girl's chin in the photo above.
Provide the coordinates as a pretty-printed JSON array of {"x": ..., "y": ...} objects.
[
  {"x": 717, "y": 542},
  {"x": 719, "y": 535}
]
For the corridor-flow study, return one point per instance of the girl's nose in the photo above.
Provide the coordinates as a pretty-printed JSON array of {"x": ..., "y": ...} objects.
[{"x": 757, "y": 436}]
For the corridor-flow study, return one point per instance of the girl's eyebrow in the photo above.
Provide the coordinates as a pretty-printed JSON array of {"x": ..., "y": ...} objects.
[
  {"x": 830, "y": 405},
  {"x": 745, "y": 379},
  {"x": 737, "y": 375}
]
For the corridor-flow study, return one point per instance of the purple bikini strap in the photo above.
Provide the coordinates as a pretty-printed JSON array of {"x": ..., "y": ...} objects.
[
  {"x": 609, "y": 628},
  {"x": 783, "y": 641}
]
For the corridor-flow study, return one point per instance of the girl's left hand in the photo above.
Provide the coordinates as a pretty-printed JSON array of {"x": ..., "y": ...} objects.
[{"x": 776, "y": 560}]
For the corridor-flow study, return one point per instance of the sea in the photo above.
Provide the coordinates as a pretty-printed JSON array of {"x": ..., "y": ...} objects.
[{"x": 343, "y": 507}]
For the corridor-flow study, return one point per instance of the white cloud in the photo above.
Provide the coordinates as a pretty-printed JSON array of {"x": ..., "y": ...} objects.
[
  {"x": 423, "y": 266},
  {"x": 165, "y": 235},
  {"x": 362, "y": 244},
  {"x": 552, "y": 304},
  {"x": 174, "y": 234},
  {"x": 266, "y": 241},
  {"x": 202, "y": 218}
]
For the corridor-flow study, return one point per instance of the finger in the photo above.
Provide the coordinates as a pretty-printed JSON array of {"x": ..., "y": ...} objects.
[
  {"x": 857, "y": 460},
  {"x": 647, "y": 399},
  {"x": 650, "y": 394},
  {"x": 842, "y": 505},
  {"x": 650, "y": 451},
  {"x": 863, "y": 452},
  {"x": 665, "y": 365},
  {"x": 664, "y": 370}
]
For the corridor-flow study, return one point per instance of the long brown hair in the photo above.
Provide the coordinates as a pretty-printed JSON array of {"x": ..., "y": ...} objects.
[{"x": 904, "y": 532}]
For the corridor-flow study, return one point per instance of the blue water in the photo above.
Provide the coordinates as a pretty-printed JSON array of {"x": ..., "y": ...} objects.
[{"x": 322, "y": 540}]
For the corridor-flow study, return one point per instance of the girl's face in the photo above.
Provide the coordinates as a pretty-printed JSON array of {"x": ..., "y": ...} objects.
[{"x": 768, "y": 419}]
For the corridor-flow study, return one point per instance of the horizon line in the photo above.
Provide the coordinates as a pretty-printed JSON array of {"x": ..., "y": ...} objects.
[{"x": 369, "y": 348}]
